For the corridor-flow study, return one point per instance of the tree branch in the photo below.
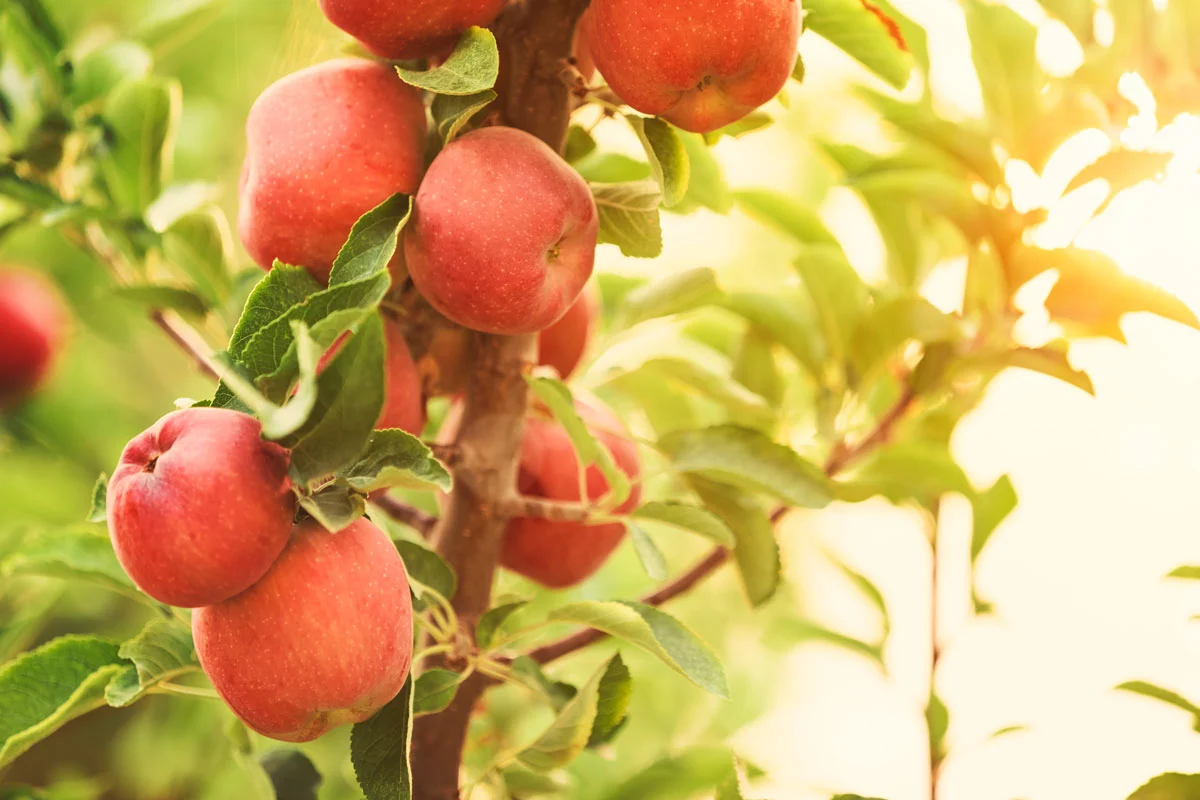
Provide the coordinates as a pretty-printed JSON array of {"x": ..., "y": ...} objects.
[
  {"x": 540, "y": 508},
  {"x": 844, "y": 454},
  {"x": 188, "y": 341},
  {"x": 414, "y": 518}
]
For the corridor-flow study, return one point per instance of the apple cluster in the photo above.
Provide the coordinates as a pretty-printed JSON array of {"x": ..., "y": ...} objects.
[{"x": 300, "y": 628}]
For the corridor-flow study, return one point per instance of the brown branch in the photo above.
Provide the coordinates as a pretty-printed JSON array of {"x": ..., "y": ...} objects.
[
  {"x": 448, "y": 454},
  {"x": 188, "y": 341},
  {"x": 540, "y": 508},
  {"x": 534, "y": 37},
  {"x": 844, "y": 454},
  {"x": 414, "y": 518}
]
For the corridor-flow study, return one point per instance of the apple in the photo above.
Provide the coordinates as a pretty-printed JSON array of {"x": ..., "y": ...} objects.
[
  {"x": 200, "y": 506},
  {"x": 563, "y": 554},
  {"x": 504, "y": 235},
  {"x": 324, "y": 639},
  {"x": 700, "y": 65},
  {"x": 324, "y": 146},
  {"x": 408, "y": 29},
  {"x": 564, "y": 343},
  {"x": 33, "y": 324}
]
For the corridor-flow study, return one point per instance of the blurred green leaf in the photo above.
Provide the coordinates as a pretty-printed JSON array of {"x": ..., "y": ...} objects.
[
  {"x": 580, "y": 144},
  {"x": 101, "y": 70},
  {"x": 200, "y": 244},
  {"x": 934, "y": 191},
  {"x": 434, "y": 691},
  {"x": 802, "y": 631},
  {"x": 141, "y": 115},
  {"x": 754, "y": 121},
  {"x": 530, "y": 674},
  {"x": 780, "y": 316},
  {"x": 864, "y": 32},
  {"x": 472, "y": 68},
  {"x": 522, "y": 783},
  {"x": 44, "y": 689},
  {"x": 755, "y": 367},
  {"x": 1186, "y": 573},
  {"x": 747, "y": 459},
  {"x": 786, "y": 215},
  {"x": 1122, "y": 169},
  {"x": 867, "y": 589},
  {"x": 839, "y": 296},
  {"x": 652, "y": 559},
  {"x": 162, "y": 651},
  {"x": 1077, "y": 15},
  {"x": 654, "y": 631},
  {"x": 612, "y": 168},
  {"x": 292, "y": 774},
  {"x": 678, "y": 777},
  {"x": 676, "y": 293},
  {"x": 667, "y": 156},
  {"x": 1051, "y": 360},
  {"x": 426, "y": 570},
  {"x": 173, "y": 21},
  {"x": 490, "y": 622},
  {"x": 1003, "y": 46},
  {"x": 706, "y": 187},
  {"x": 1170, "y": 786},
  {"x": 889, "y": 326},
  {"x": 629, "y": 217},
  {"x": 679, "y": 374},
  {"x": 937, "y": 716},
  {"x": 991, "y": 508},
  {"x": 395, "y": 458},
  {"x": 920, "y": 471},
  {"x": 158, "y": 297},
  {"x": 1163, "y": 696},
  {"x": 74, "y": 553},
  {"x": 756, "y": 551},
  {"x": 689, "y": 518},
  {"x": 452, "y": 113},
  {"x": 99, "y": 509},
  {"x": 568, "y": 735},
  {"x": 379, "y": 749}
]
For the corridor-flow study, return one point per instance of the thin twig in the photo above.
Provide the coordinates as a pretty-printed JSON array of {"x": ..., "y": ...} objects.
[
  {"x": 188, "y": 340},
  {"x": 844, "y": 454},
  {"x": 414, "y": 518},
  {"x": 541, "y": 508}
]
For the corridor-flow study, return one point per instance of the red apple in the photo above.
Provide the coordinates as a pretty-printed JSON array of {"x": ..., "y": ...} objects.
[
  {"x": 504, "y": 237},
  {"x": 582, "y": 50},
  {"x": 324, "y": 639},
  {"x": 324, "y": 146},
  {"x": 562, "y": 554},
  {"x": 200, "y": 506},
  {"x": 33, "y": 325},
  {"x": 564, "y": 343},
  {"x": 405, "y": 29},
  {"x": 700, "y": 64}
]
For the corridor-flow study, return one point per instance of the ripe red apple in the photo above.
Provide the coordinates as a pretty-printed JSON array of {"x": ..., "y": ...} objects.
[
  {"x": 701, "y": 64},
  {"x": 564, "y": 343},
  {"x": 200, "y": 506},
  {"x": 324, "y": 146},
  {"x": 562, "y": 554},
  {"x": 404, "y": 29},
  {"x": 33, "y": 325},
  {"x": 324, "y": 639},
  {"x": 505, "y": 233}
]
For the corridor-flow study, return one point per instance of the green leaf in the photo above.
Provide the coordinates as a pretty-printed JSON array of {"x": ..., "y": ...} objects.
[
  {"x": 750, "y": 460},
  {"x": 44, "y": 689},
  {"x": 786, "y": 215},
  {"x": 74, "y": 554},
  {"x": 754, "y": 121},
  {"x": 885, "y": 330},
  {"x": 676, "y": 293},
  {"x": 178, "y": 201},
  {"x": 654, "y": 631},
  {"x": 755, "y": 367},
  {"x": 839, "y": 296},
  {"x": 598, "y": 707},
  {"x": 1003, "y": 46},
  {"x": 863, "y": 32},
  {"x": 781, "y": 317},
  {"x": 990, "y": 509},
  {"x": 335, "y": 506},
  {"x": 1122, "y": 169},
  {"x": 916, "y": 470},
  {"x": 372, "y": 242},
  {"x": 530, "y": 674},
  {"x": 678, "y": 777},
  {"x": 868, "y": 589},
  {"x": 162, "y": 651},
  {"x": 933, "y": 191},
  {"x": 525, "y": 784},
  {"x": 99, "y": 509},
  {"x": 652, "y": 559},
  {"x": 102, "y": 69},
  {"x": 1170, "y": 786},
  {"x": 580, "y": 144},
  {"x": 396, "y": 458},
  {"x": 141, "y": 116},
  {"x": 426, "y": 570},
  {"x": 706, "y": 185},
  {"x": 471, "y": 68},
  {"x": 675, "y": 374},
  {"x": 451, "y": 113},
  {"x": 938, "y": 718},
  {"x": 157, "y": 297},
  {"x": 275, "y": 295},
  {"x": 490, "y": 622},
  {"x": 798, "y": 70},
  {"x": 434, "y": 691},
  {"x": 558, "y": 398},
  {"x": 293, "y": 776},
  {"x": 1163, "y": 696},
  {"x": 610, "y": 168},
  {"x": 688, "y": 518},
  {"x": 667, "y": 155},
  {"x": 629, "y": 217},
  {"x": 379, "y": 749},
  {"x": 280, "y": 421},
  {"x": 200, "y": 244},
  {"x": 349, "y": 401},
  {"x": 804, "y": 630},
  {"x": 756, "y": 551},
  {"x": 1186, "y": 573},
  {"x": 172, "y": 21}
]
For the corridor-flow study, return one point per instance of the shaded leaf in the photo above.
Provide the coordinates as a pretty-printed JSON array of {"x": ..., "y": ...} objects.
[
  {"x": 163, "y": 650},
  {"x": 472, "y": 68},
  {"x": 571, "y": 730},
  {"x": 490, "y": 622},
  {"x": 1170, "y": 786},
  {"x": 141, "y": 115},
  {"x": 379, "y": 749},
  {"x": 990, "y": 509},
  {"x": 651, "y": 558},
  {"x": 434, "y": 691},
  {"x": 689, "y": 518},
  {"x": 667, "y": 156},
  {"x": 335, "y": 506},
  {"x": 677, "y": 293},
  {"x": 889, "y": 326},
  {"x": 839, "y": 296},
  {"x": 426, "y": 570},
  {"x": 938, "y": 718},
  {"x": 786, "y": 215},
  {"x": 452, "y": 113},
  {"x": 757, "y": 551},
  {"x": 528, "y": 672},
  {"x": 396, "y": 458},
  {"x": 864, "y": 32},
  {"x": 678, "y": 777},
  {"x": 293, "y": 776},
  {"x": 629, "y": 217},
  {"x": 920, "y": 471}
]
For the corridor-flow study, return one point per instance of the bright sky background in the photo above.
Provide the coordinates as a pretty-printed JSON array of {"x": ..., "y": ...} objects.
[{"x": 1109, "y": 505}]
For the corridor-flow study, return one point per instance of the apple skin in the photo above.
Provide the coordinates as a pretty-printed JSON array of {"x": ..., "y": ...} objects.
[
  {"x": 407, "y": 29},
  {"x": 505, "y": 232},
  {"x": 563, "y": 554},
  {"x": 564, "y": 343},
  {"x": 325, "y": 145},
  {"x": 324, "y": 639},
  {"x": 33, "y": 324},
  {"x": 200, "y": 506},
  {"x": 699, "y": 64}
]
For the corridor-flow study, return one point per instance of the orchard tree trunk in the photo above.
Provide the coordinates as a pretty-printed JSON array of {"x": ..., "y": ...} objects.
[{"x": 535, "y": 39}]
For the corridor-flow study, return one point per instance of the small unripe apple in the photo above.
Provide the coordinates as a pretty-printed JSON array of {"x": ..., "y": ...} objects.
[
  {"x": 700, "y": 64},
  {"x": 406, "y": 29},
  {"x": 324, "y": 639},
  {"x": 200, "y": 506},
  {"x": 504, "y": 237},
  {"x": 324, "y": 146},
  {"x": 564, "y": 343},
  {"x": 33, "y": 325},
  {"x": 563, "y": 554}
]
